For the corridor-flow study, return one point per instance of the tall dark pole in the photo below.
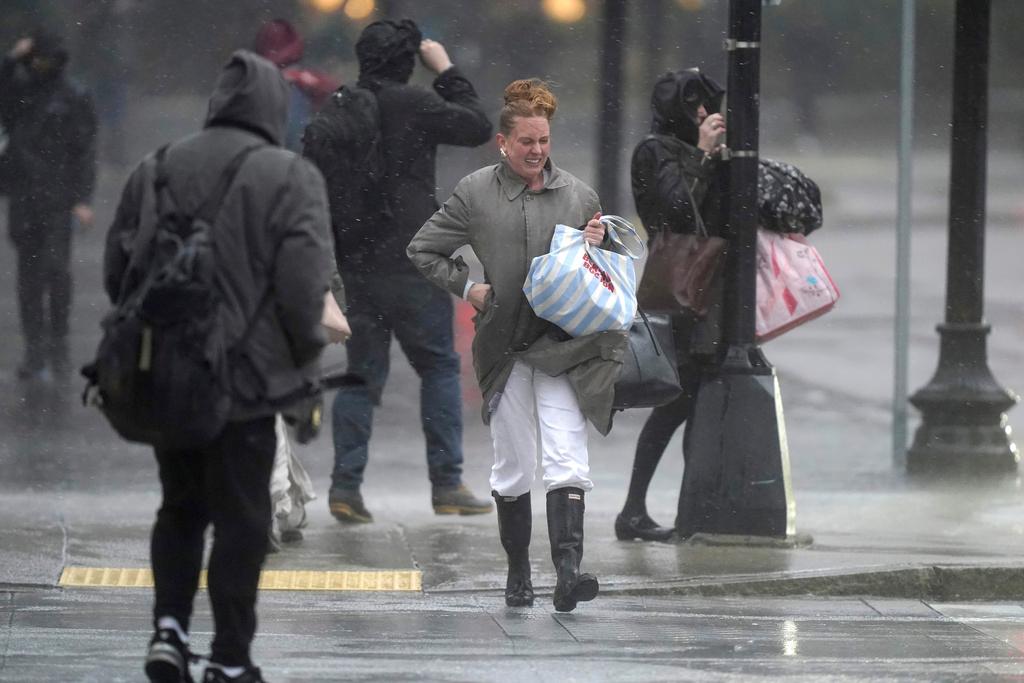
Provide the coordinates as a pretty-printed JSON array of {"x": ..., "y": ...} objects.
[
  {"x": 654, "y": 41},
  {"x": 610, "y": 91},
  {"x": 736, "y": 479},
  {"x": 963, "y": 408}
]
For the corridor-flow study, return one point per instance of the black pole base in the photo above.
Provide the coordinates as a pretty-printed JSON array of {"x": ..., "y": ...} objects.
[
  {"x": 737, "y": 477},
  {"x": 965, "y": 430}
]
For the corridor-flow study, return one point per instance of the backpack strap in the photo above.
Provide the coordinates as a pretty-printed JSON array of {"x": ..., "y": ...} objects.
[
  {"x": 211, "y": 206},
  {"x": 144, "y": 233}
]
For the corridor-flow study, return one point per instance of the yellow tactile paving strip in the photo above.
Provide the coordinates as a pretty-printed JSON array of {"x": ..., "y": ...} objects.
[{"x": 271, "y": 580}]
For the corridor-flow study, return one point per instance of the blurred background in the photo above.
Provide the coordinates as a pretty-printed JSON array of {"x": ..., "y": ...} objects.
[
  {"x": 830, "y": 68},
  {"x": 830, "y": 74}
]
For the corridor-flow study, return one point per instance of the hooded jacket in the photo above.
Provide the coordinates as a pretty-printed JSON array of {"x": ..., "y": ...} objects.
[
  {"x": 673, "y": 181},
  {"x": 414, "y": 121},
  {"x": 676, "y": 188},
  {"x": 271, "y": 235},
  {"x": 49, "y": 164}
]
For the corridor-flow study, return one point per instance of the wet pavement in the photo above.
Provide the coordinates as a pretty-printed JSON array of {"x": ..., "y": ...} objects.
[
  {"x": 94, "y": 636},
  {"x": 72, "y": 495}
]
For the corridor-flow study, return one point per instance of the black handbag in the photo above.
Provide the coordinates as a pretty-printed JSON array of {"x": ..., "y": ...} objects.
[{"x": 649, "y": 376}]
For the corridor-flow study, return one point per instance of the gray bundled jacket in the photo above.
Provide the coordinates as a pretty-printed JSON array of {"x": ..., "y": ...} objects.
[
  {"x": 508, "y": 226},
  {"x": 271, "y": 234}
]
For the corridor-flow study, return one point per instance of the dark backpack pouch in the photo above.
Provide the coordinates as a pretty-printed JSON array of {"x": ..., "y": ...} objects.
[
  {"x": 344, "y": 142},
  {"x": 160, "y": 371}
]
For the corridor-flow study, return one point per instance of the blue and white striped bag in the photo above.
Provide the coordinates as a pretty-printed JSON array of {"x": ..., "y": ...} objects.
[{"x": 582, "y": 288}]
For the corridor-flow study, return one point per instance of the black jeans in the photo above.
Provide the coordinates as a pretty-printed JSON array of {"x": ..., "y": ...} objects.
[
  {"x": 43, "y": 243},
  {"x": 226, "y": 484}
]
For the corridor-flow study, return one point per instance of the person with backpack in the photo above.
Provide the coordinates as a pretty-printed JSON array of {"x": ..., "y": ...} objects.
[
  {"x": 219, "y": 250},
  {"x": 376, "y": 145},
  {"x": 48, "y": 170}
]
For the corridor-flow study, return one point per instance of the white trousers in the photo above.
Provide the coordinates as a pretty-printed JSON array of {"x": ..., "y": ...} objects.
[{"x": 538, "y": 413}]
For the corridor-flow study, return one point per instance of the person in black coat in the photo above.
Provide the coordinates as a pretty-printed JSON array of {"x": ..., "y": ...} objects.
[
  {"x": 385, "y": 294},
  {"x": 48, "y": 170},
  {"x": 675, "y": 186},
  {"x": 272, "y": 239}
]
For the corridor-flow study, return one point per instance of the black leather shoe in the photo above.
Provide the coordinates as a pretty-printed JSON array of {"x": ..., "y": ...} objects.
[{"x": 640, "y": 527}]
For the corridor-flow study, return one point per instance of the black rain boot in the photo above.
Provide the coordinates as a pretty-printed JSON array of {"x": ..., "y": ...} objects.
[
  {"x": 565, "y": 529},
  {"x": 515, "y": 524}
]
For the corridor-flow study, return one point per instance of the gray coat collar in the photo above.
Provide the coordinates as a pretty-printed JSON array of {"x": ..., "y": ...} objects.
[{"x": 514, "y": 186}]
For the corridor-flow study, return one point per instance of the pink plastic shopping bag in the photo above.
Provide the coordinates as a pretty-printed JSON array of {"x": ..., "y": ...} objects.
[{"x": 793, "y": 285}]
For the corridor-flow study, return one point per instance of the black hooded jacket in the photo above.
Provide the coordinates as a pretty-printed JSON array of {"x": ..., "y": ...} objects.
[
  {"x": 414, "y": 121},
  {"x": 50, "y": 161},
  {"x": 674, "y": 183},
  {"x": 271, "y": 235}
]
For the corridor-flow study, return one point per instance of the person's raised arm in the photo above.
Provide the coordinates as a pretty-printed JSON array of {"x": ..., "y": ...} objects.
[{"x": 454, "y": 116}]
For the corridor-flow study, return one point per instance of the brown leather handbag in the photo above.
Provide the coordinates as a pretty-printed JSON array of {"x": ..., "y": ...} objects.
[{"x": 680, "y": 270}]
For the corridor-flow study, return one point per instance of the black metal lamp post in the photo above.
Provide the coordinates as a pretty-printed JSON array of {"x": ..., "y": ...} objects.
[
  {"x": 963, "y": 408},
  {"x": 736, "y": 479}
]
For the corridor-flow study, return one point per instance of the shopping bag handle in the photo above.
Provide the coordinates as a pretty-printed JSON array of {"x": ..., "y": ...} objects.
[
  {"x": 650, "y": 332},
  {"x": 619, "y": 230}
]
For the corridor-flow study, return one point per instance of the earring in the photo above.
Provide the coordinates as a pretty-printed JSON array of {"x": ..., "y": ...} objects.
[{"x": 504, "y": 154}]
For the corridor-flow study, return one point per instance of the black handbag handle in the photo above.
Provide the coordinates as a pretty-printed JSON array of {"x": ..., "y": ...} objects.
[{"x": 647, "y": 324}]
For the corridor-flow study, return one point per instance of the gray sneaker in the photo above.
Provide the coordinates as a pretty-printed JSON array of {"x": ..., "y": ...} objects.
[
  {"x": 459, "y": 500},
  {"x": 347, "y": 506}
]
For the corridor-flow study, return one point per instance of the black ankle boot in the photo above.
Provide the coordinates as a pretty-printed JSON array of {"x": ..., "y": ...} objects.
[
  {"x": 565, "y": 529},
  {"x": 640, "y": 526},
  {"x": 515, "y": 524}
]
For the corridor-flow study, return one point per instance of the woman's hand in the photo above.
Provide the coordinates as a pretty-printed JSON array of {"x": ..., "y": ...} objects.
[
  {"x": 594, "y": 232},
  {"x": 477, "y": 296},
  {"x": 711, "y": 131}
]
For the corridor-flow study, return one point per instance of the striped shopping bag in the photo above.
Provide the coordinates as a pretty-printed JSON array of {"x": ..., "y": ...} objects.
[{"x": 585, "y": 289}]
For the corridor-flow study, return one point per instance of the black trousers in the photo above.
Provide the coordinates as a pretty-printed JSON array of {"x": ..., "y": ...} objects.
[
  {"x": 226, "y": 484},
  {"x": 664, "y": 421},
  {"x": 43, "y": 243}
]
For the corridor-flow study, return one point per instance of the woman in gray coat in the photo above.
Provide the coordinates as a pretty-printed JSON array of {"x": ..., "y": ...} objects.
[{"x": 539, "y": 385}]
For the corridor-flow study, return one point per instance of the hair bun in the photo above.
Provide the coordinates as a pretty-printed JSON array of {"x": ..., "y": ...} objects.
[{"x": 533, "y": 92}]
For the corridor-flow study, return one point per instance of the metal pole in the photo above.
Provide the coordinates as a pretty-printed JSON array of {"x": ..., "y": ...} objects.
[
  {"x": 736, "y": 479},
  {"x": 743, "y": 112},
  {"x": 964, "y": 427},
  {"x": 654, "y": 41},
  {"x": 610, "y": 89},
  {"x": 903, "y": 226}
]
